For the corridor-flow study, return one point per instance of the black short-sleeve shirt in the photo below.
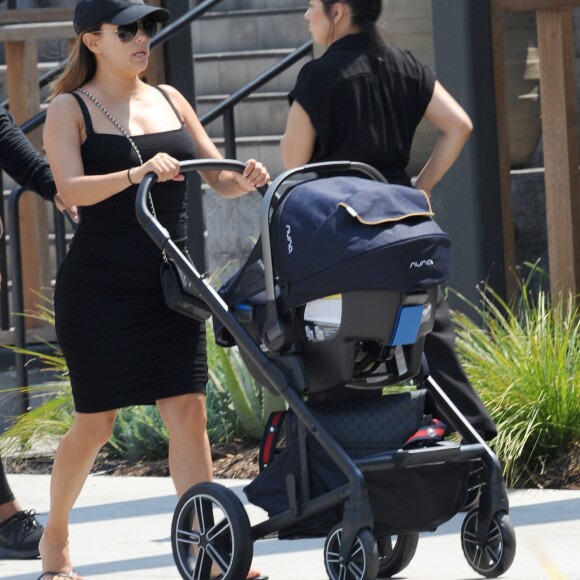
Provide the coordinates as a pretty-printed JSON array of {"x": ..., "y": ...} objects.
[{"x": 364, "y": 108}]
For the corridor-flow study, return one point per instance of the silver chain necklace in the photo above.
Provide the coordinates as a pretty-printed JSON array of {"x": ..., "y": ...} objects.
[{"x": 114, "y": 121}]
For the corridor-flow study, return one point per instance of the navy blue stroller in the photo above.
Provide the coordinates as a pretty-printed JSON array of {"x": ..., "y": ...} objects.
[{"x": 331, "y": 311}]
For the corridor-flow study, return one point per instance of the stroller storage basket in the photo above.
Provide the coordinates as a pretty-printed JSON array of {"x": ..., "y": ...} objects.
[{"x": 410, "y": 500}]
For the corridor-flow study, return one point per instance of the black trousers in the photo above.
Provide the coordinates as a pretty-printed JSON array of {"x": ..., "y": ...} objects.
[
  {"x": 6, "y": 494},
  {"x": 446, "y": 370}
]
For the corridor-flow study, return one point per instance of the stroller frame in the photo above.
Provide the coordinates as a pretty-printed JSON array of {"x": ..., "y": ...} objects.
[{"x": 283, "y": 373}]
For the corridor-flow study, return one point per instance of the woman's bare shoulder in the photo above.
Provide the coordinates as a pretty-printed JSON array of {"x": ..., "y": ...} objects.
[
  {"x": 62, "y": 100},
  {"x": 64, "y": 111},
  {"x": 171, "y": 91},
  {"x": 64, "y": 104},
  {"x": 178, "y": 100}
]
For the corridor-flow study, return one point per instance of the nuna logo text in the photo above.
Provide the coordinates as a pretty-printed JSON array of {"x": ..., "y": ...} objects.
[{"x": 421, "y": 264}]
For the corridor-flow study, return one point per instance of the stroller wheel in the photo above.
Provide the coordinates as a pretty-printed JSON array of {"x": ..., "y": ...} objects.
[
  {"x": 497, "y": 555},
  {"x": 396, "y": 553},
  {"x": 211, "y": 536},
  {"x": 363, "y": 562}
]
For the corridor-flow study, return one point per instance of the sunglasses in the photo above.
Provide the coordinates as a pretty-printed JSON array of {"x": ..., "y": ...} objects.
[{"x": 127, "y": 32}]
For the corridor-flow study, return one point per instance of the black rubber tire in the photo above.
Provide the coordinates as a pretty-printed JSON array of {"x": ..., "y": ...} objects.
[
  {"x": 210, "y": 517},
  {"x": 363, "y": 561},
  {"x": 396, "y": 553},
  {"x": 499, "y": 551}
]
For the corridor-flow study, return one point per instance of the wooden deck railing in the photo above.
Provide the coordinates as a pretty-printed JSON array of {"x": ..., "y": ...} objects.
[
  {"x": 559, "y": 129},
  {"x": 20, "y": 39}
]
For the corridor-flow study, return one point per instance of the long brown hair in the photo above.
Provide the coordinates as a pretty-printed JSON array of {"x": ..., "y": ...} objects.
[{"x": 80, "y": 69}]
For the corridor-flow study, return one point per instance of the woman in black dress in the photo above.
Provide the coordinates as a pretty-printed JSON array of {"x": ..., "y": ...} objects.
[
  {"x": 105, "y": 130},
  {"x": 362, "y": 101}
]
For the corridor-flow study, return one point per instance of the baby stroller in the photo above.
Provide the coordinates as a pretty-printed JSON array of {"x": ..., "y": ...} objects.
[{"x": 330, "y": 311}]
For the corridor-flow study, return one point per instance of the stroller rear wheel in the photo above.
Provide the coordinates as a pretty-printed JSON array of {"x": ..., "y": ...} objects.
[
  {"x": 363, "y": 562},
  {"x": 499, "y": 550},
  {"x": 396, "y": 553},
  {"x": 211, "y": 536}
]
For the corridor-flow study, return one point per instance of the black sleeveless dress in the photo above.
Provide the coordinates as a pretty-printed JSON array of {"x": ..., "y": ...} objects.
[{"x": 122, "y": 345}]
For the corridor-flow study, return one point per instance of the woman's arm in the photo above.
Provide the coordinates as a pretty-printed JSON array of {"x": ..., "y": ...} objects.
[
  {"x": 297, "y": 144},
  {"x": 445, "y": 113},
  {"x": 21, "y": 160},
  {"x": 62, "y": 142},
  {"x": 227, "y": 183}
]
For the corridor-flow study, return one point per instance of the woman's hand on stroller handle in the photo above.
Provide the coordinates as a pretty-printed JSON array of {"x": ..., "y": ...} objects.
[{"x": 254, "y": 176}]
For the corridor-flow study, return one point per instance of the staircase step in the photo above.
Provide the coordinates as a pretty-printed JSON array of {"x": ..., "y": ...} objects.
[
  {"x": 227, "y": 72},
  {"x": 232, "y": 229},
  {"x": 261, "y": 114},
  {"x": 249, "y": 30},
  {"x": 43, "y": 67},
  {"x": 228, "y": 5},
  {"x": 265, "y": 148}
]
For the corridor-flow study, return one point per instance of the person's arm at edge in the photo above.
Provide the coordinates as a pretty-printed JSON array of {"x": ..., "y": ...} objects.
[
  {"x": 22, "y": 161},
  {"x": 445, "y": 113},
  {"x": 297, "y": 144},
  {"x": 26, "y": 165}
]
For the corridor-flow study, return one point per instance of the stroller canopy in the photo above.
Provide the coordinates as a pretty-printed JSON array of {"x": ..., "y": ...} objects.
[{"x": 341, "y": 234}]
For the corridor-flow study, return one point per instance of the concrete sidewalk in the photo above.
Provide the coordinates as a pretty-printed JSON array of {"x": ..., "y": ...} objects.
[{"x": 121, "y": 529}]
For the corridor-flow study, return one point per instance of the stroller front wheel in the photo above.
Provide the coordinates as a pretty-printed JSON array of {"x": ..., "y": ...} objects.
[
  {"x": 499, "y": 550},
  {"x": 211, "y": 536},
  {"x": 363, "y": 561}
]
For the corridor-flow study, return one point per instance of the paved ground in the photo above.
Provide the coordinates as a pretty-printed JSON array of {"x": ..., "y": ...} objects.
[{"x": 121, "y": 529}]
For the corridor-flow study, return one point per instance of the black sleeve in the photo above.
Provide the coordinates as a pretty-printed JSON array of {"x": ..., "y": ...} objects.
[
  {"x": 425, "y": 82},
  {"x": 22, "y": 161},
  {"x": 309, "y": 87}
]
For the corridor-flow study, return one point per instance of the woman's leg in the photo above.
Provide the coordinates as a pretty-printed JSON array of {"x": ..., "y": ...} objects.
[
  {"x": 446, "y": 369},
  {"x": 189, "y": 450},
  {"x": 73, "y": 461}
]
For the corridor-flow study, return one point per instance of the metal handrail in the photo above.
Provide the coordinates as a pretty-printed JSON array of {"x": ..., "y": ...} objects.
[
  {"x": 225, "y": 109},
  {"x": 17, "y": 286},
  {"x": 17, "y": 289}
]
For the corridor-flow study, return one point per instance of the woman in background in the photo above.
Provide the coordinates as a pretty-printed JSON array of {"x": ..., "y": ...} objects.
[{"x": 362, "y": 101}]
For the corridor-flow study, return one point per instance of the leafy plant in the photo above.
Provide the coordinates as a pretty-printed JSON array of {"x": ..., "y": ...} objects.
[
  {"x": 246, "y": 403},
  {"x": 51, "y": 410},
  {"x": 524, "y": 360},
  {"x": 236, "y": 406}
]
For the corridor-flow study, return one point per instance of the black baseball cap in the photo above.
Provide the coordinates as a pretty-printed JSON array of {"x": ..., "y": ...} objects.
[{"x": 89, "y": 14}]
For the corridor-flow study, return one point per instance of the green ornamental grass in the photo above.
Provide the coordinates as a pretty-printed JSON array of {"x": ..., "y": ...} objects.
[
  {"x": 524, "y": 360},
  {"x": 237, "y": 407}
]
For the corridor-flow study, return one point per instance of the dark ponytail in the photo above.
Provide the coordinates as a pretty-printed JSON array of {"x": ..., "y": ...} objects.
[{"x": 365, "y": 14}]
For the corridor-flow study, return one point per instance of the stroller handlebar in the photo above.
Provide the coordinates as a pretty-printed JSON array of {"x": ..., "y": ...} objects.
[{"x": 144, "y": 216}]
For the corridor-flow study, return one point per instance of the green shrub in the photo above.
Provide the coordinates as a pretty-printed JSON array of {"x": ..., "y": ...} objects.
[
  {"x": 236, "y": 406},
  {"x": 50, "y": 415},
  {"x": 524, "y": 360},
  {"x": 245, "y": 403}
]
